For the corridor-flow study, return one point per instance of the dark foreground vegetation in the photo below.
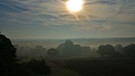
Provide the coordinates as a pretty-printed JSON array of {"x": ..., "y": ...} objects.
[
  {"x": 10, "y": 67},
  {"x": 99, "y": 67}
]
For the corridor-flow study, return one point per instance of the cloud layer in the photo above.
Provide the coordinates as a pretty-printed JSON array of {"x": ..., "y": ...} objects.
[{"x": 107, "y": 18}]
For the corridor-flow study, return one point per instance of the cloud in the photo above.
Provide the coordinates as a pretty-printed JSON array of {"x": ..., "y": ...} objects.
[
  {"x": 127, "y": 7},
  {"x": 104, "y": 2},
  {"x": 94, "y": 26},
  {"x": 44, "y": 11},
  {"x": 97, "y": 15}
]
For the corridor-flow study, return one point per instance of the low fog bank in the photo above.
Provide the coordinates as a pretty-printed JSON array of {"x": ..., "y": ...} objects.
[
  {"x": 75, "y": 48},
  {"x": 93, "y": 42}
]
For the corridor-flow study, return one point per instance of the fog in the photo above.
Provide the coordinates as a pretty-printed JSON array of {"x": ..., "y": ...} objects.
[
  {"x": 74, "y": 57},
  {"x": 68, "y": 48}
]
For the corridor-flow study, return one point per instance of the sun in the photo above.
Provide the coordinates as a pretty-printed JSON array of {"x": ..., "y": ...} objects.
[{"x": 74, "y": 5}]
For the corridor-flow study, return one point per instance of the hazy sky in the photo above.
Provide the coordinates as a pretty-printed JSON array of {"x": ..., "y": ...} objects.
[{"x": 31, "y": 19}]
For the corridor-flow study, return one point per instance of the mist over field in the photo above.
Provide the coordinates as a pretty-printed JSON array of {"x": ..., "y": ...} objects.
[
  {"x": 39, "y": 47},
  {"x": 82, "y": 56},
  {"x": 91, "y": 42},
  {"x": 67, "y": 37}
]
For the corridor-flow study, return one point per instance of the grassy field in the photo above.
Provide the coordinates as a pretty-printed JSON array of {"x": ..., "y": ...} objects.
[
  {"x": 58, "y": 69},
  {"x": 93, "y": 67}
]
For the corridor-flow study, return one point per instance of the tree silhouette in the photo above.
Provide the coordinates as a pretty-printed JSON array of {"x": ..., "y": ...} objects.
[
  {"x": 52, "y": 52},
  {"x": 106, "y": 50},
  {"x": 7, "y": 50},
  {"x": 129, "y": 50},
  {"x": 69, "y": 49},
  {"x": 8, "y": 67}
]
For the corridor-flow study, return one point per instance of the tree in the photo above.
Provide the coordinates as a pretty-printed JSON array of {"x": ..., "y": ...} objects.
[
  {"x": 8, "y": 67},
  {"x": 106, "y": 50},
  {"x": 70, "y": 49},
  {"x": 119, "y": 48},
  {"x": 7, "y": 50},
  {"x": 52, "y": 52},
  {"x": 129, "y": 50}
]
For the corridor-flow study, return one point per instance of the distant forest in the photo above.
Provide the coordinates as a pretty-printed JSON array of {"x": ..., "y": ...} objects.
[{"x": 69, "y": 49}]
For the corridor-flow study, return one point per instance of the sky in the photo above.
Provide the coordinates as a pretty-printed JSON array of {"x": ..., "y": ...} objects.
[{"x": 50, "y": 19}]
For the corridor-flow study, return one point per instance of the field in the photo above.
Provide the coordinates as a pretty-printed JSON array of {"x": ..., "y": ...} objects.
[{"x": 93, "y": 67}]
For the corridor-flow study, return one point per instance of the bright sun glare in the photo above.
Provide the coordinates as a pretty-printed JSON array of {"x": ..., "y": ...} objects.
[{"x": 74, "y": 5}]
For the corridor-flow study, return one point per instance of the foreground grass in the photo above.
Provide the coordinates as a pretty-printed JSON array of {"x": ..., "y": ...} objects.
[
  {"x": 94, "y": 67},
  {"x": 58, "y": 71}
]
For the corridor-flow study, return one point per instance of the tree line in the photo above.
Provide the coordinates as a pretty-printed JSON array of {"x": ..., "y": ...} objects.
[
  {"x": 108, "y": 50},
  {"x": 117, "y": 51}
]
